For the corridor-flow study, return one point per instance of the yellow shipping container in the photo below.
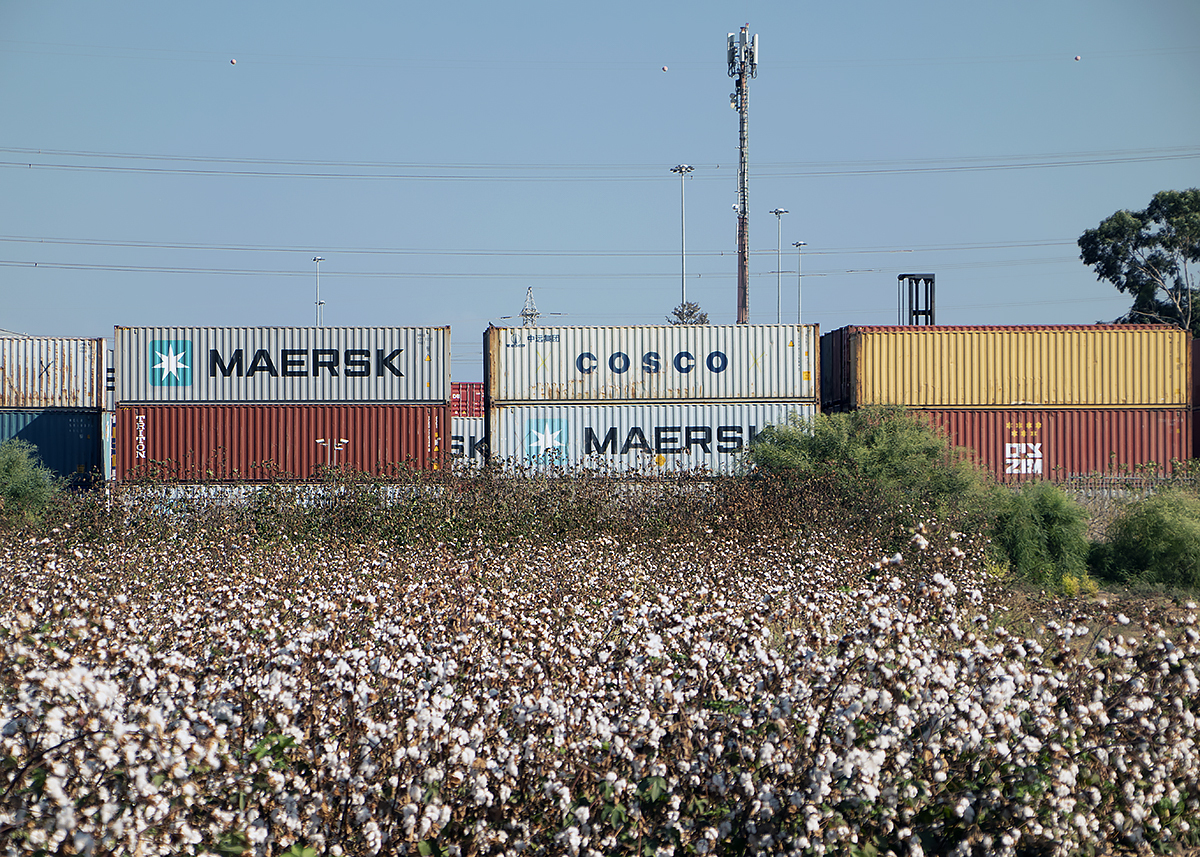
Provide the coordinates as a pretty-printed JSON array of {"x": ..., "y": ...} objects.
[{"x": 1133, "y": 366}]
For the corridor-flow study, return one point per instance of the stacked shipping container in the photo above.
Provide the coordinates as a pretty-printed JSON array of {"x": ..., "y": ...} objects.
[
  {"x": 204, "y": 404},
  {"x": 52, "y": 395},
  {"x": 467, "y": 424},
  {"x": 1043, "y": 402},
  {"x": 643, "y": 399}
]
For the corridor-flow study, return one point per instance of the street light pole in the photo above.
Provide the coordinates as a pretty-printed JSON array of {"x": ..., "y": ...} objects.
[
  {"x": 683, "y": 170},
  {"x": 799, "y": 245},
  {"x": 320, "y": 303},
  {"x": 779, "y": 213}
]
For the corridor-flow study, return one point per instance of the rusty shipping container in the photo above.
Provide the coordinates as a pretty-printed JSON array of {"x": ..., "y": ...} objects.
[
  {"x": 282, "y": 364},
  {"x": 1056, "y": 444},
  {"x": 651, "y": 363},
  {"x": 197, "y": 443},
  {"x": 38, "y": 372},
  {"x": 637, "y": 437},
  {"x": 466, "y": 398},
  {"x": 1065, "y": 366}
]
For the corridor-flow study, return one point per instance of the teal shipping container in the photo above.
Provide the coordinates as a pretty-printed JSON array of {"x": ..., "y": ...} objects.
[{"x": 69, "y": 442}]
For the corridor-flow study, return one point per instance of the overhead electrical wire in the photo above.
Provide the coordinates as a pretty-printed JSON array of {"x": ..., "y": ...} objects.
[
  {"x": 363, "y": 170},
  {"x": 400, "y": 251}
]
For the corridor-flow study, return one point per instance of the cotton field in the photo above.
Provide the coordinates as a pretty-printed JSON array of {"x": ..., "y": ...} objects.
[{"x": 202, "y": 692}]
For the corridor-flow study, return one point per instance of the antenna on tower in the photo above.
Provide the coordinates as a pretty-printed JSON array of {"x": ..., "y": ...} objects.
[
  {"x": 529, "y": 314},
  {"x": 741, "y": 51}
]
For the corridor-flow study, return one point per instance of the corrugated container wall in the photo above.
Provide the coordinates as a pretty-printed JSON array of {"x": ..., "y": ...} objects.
[
  {"x": 633, "y": 438},
  {"x": 196, "y": 443},
  {"x": 1085, "y": 366},
  {"x": 37, "y": 372},
  {"x": 466, "y": 398},
  {"x": 468, "y": 439},
  {"x": 282, "y": 364},
  {"x": 651, "y": 363},
  {"x": 69, "y": 442},
  {"x": 1015, "y": 445}
]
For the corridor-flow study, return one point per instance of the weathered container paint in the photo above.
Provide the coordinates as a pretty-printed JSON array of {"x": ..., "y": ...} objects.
[
  {"x": 644, "y": 438},
  {"x": 1084, "y": 366},
  {"x": 197, "y": 443},
  {"x": 466, "y": 399},
  {"x": 282, "y": 364},
  {"x": 38, "y": 373},
  {"x": 1016, "y": 445},
  {"x": 69, "y": 442},
  {"x": 468, "y": 439},
  {"x": 652, "y": 363}
]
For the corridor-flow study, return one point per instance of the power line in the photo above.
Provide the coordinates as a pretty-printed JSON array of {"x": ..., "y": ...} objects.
[
  {"x": 363, "y": 170},
  {"x": 466, "y": 252}
]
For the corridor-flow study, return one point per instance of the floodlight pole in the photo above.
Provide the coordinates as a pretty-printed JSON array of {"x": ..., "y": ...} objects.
[
  {"x": 799, "y": 245},
  {"x": 320, "y": 303},
  {"x": 779, "y": 213},
  {"x": 683, "y": 170}
]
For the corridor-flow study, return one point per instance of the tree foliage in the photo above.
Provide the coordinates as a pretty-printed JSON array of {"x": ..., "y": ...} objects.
[
  {"x": 882, "y": 454},
  {"x": 688, "y": 313},
  {"x": 26, "y": 487},
  {"x": 1149, "y": 255}
]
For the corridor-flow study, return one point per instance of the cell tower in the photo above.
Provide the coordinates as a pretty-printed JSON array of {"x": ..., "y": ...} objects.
[
  {"x": 742, "y": 54},
  {"x": 529, "y": 313}
]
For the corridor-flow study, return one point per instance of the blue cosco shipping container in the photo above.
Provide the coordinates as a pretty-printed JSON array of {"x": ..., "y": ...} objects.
[{"x": 68, "y": 441}]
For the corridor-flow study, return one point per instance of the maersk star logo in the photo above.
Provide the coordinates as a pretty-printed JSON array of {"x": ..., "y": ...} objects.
[
  {"x": 171, "y": 363},
  {"x": 546, "y": 441}
]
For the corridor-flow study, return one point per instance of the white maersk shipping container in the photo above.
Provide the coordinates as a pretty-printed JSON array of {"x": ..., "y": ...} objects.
[
  {"x": 644, "y": 438},
  {"x": 655, "y": 363},
  {"x": 277, "y": 365},
  {"x": 38, "y": 372},
  {"x": 467, "y": 439}
]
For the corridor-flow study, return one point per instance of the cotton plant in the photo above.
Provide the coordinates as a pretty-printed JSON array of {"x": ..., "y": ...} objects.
[{"x": 207, "y": 694}]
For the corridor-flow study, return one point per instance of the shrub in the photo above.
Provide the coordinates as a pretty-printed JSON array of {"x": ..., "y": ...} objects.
[
  {"x": 1155, "y": 541},
  {"x": 1043, "y": 533},
  {"x": 26, "y": 487},
  {"x": 879, "y": 456}
]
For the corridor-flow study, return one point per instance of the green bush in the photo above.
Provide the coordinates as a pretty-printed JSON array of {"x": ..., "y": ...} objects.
[
  {"x": 26, "y": 487},
  {"x": 882, "y": 456},
  {"x": 1043, "y": 534},
  {"x": 1155, "y": 541}
]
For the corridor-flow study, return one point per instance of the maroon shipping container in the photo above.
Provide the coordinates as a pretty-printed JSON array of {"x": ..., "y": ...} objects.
[
  {"x": 197, "y": 443},
  {"x": 466, "y": 399},
  {"x": 1017, "y": 445}
]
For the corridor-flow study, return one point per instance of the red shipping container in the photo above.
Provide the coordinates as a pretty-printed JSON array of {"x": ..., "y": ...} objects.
[
  {"x": 466, "y": 399},
  {"x": 199, "y": 443},
  {"x": 1017, "y": 445}
]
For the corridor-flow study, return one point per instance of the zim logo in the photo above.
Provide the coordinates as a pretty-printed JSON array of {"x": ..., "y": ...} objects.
[
  {"x": 546, "y": 441},
  {"x": 170, "y": 362}
]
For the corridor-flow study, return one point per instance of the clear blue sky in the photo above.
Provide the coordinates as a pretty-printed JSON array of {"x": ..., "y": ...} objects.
[{"x": 443, "y": 157}]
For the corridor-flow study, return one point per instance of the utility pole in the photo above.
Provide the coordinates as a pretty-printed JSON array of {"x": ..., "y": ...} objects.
[
  {"x": 683, "y": 170},
  {"x": 742, "y": 55}
]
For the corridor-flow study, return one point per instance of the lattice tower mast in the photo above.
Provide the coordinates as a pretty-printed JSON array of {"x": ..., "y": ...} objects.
[{"x": 742, "y": 54}]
